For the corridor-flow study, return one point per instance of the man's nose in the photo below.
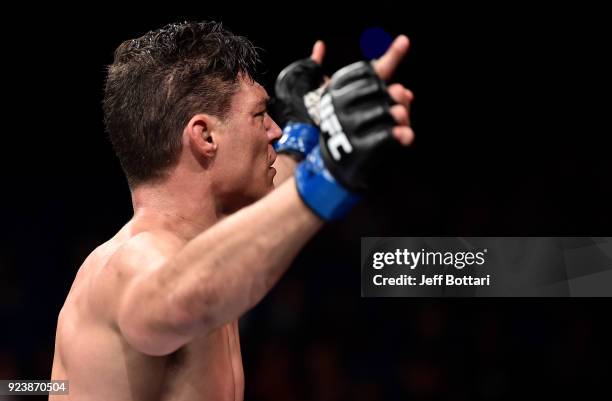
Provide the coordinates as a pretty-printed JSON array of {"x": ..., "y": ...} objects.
[{"x": 274, "y": 131}]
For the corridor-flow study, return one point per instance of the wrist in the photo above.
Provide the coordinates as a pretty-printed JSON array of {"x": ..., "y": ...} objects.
[{"x": 320, "y": 191}]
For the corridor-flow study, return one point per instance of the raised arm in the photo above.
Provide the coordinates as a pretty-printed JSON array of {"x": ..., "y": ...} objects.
[{"x": 218, "y": 275}]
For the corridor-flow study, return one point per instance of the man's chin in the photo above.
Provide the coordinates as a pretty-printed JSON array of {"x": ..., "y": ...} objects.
[
  {"x": 271, "y": 174},
  {"x": 268, "y": 186}
]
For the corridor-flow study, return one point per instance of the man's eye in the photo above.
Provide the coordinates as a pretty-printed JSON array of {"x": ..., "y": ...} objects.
[{"x": 261, "y": 113}]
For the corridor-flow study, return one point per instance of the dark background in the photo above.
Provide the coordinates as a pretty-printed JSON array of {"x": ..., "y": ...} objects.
[{"x": 512, "y": 123}]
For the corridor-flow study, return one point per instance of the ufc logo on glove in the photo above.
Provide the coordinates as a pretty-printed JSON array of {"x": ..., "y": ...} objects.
[{"x": 330, "y": 124}]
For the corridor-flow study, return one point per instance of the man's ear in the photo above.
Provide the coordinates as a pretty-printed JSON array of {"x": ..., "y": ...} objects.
[{"x": 201, "y": 134}]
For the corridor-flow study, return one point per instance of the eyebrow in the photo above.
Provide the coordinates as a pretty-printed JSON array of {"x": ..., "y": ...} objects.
[{"x": 262, "y": 102}]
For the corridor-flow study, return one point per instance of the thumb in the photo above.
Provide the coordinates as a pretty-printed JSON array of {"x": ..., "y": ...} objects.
[
  {"x": 318, "y": 52},
  {"x": 387, "y": 64}
]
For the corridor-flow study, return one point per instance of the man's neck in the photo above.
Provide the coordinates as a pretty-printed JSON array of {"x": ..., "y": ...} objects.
[{"x": 185, "y": 210}]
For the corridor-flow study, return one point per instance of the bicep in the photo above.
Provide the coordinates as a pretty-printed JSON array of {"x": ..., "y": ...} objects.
[
  {"x": 146, "y": 319},
  {"x": 144, "y": 310}
]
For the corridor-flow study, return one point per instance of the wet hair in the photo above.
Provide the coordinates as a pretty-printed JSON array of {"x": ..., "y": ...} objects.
[{"x": 159, "y": 81}]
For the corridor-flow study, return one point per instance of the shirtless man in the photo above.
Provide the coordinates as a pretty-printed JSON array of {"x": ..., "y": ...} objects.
[{"x": 152, "y": 313}]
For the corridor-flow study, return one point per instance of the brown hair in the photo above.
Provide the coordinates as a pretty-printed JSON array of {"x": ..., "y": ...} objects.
[{"x": 160, "y": 80}]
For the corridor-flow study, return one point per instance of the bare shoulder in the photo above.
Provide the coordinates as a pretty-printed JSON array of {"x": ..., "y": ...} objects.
[
  {"x": 126, "y": 262},
  {"x": 145, "y": 251}
]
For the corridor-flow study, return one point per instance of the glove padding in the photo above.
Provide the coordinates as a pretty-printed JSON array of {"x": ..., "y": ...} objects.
[
  {"x": 297, "y": 92},
  {"x": 356, "y": 130},
  {"x": 356, "y": 126},
  {"x": 293, "y": 83}
]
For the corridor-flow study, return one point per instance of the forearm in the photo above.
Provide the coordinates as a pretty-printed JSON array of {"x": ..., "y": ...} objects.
[
  {"x": 229, "y": 268},
  {"x": 284, "y": 165}
]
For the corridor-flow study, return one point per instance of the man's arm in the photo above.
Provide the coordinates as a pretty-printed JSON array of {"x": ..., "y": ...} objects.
[{"x": 218, "y": 275}]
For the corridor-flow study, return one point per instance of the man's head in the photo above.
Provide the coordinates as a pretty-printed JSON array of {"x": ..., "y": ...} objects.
[{"x": 189, "y": 84}]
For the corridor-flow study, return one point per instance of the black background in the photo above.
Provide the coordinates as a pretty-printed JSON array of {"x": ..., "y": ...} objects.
[{"x": 511, "y": 118}]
